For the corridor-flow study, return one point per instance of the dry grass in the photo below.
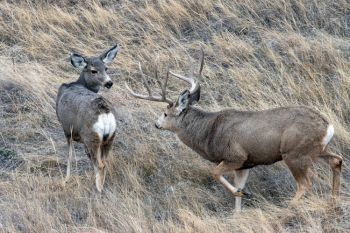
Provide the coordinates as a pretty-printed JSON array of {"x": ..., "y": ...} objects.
[{"x": 259, "y": 54}]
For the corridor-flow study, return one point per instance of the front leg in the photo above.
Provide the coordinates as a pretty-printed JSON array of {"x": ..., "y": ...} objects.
[
  {"x": 69, "y": 160},
  {"x": 240, "y": 179},
  {"x": 223, "y": 168}
]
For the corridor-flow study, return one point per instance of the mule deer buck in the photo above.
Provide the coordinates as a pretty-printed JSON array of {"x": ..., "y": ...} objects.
[
  {"x": 86, "y": 116},
  {"x": 240, "y": 140}
]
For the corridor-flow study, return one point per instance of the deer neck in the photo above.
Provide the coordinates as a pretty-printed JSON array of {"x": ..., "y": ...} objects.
[
  {"x": 81, "y": 81},
  {"x": 194, "y": 129}
]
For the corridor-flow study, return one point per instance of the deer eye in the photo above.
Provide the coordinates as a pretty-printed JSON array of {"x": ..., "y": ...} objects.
[
  {"x": 94, "y": 71},
  {"x": 106, "y": 69},
  {"x": 165, "y": 114}
]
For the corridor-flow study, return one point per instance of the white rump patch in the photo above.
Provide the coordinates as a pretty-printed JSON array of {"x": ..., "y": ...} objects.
[
  {"x": 328, "y": 136},
  {"x": 105, "y": 125}
]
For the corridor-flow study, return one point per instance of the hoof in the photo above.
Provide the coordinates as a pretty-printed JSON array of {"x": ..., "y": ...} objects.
[{"x": 239, "y": 193}]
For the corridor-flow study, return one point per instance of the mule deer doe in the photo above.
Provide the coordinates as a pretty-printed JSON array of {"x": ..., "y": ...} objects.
[
  {"x": 240, "y": 140},
  {"x": 86, "y": 116}
]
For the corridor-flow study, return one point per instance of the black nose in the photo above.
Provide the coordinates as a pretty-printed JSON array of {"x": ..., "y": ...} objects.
[
  {"x": 156, "y": 126},
  {"x": 109, "y": 84}
]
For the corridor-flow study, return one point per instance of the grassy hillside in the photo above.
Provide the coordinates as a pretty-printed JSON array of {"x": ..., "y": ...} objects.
[{"x": 258, "y": 54}]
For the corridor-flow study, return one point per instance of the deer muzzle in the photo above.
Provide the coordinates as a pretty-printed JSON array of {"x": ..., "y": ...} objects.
[
  {"x": 109, "y": 84},
  {"x": 157, "y": 126}
]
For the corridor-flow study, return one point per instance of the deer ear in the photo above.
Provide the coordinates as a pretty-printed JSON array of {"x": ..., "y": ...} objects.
[
  {"x": 183, "y": 102},
  {"x": 78, "y": 61},
  {"x": 109, "y": 55}
]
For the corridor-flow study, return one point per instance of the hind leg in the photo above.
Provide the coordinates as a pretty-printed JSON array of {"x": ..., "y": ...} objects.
[
  {"x": 335, "y": 162},
  {"x": 301, "y": 168},
  {"x": 104, "y": 156},
  {"x": 94, "y": 152},
  {"x": 336, "y": 169},
  {"x": 105, "y": 149},
  {"x": 99, "y": 170}
]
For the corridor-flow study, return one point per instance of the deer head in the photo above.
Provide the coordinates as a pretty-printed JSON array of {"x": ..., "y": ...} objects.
[
  {"x": 170, "y": 119},
  {"x": 93, "y": 69}
]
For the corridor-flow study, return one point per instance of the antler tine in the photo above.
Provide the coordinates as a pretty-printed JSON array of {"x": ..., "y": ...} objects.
[
  {"x": 163, "y": 86},
  {"x": 158, "y": 81},
  {"x": 136, "y": 95},
  {"x": 151, "y": 97},
  {"x": 144, "y": 79},
  {"x": 201, "y": 59},
  {"x": 165, "y": 83},
  {"x": 194, "y": 82},
  {"x": 147, "y": 97},
  {"x": 191, "y": 65},
  {"x": 189, "y": 80}
]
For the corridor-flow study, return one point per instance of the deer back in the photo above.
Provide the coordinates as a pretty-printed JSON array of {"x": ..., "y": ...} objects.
[{"x": 78, "y": 108}]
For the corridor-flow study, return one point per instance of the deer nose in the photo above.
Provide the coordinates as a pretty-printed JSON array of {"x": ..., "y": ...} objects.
[
  {"x": 156, "y": 126},
  {"x": 109, "y": 84}
]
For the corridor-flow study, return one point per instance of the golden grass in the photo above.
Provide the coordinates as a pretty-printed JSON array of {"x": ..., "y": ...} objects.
[{"x": 259, "y": 54}]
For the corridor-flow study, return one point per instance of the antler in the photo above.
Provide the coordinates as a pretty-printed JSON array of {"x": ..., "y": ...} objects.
[
  {"x": 158, "y": 98},
  {"x": 192, "y": 80}
]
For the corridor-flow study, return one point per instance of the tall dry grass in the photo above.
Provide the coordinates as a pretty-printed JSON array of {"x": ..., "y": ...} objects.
[{"x": 259, "y": 54}]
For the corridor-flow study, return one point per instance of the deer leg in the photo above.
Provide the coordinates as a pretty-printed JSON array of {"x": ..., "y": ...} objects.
[
  {"x": 300, "y": 166},
  {"x": 69, "y": 160},
  {"x": 94, "y": 152},
  {"x": 99, "y": 170},
  {"x": 99, "y": 174},
  {"x": 100, "y": 163},
  {"x": 104, "y": 155},
  {"x": 106, "y": 149},
  {"x": 240, "y": 180},
  {"x": 220, "y": 170},
  {"x": 335, "y": 162}
]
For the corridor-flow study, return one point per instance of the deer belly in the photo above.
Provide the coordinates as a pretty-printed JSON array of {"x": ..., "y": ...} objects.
[
  {"x": 262, "y": 152},
  {"x": 255, "y": 160},
  {"x": 105, "y": 126}
]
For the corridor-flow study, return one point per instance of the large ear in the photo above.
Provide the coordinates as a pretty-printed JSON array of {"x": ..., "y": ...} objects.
[
  {"x": 78, "y": 61},
  {"x": 108, "y": 56},
  {"x": 183, "y": 102}
]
